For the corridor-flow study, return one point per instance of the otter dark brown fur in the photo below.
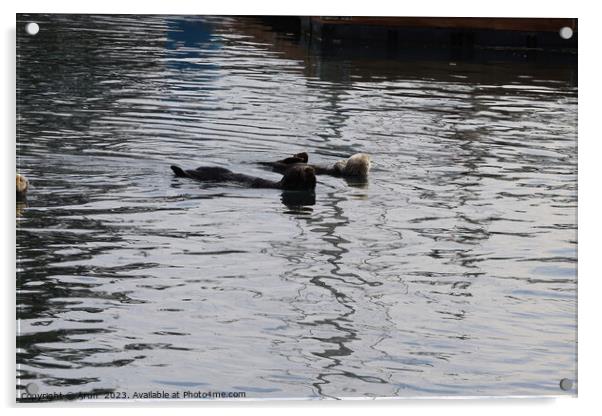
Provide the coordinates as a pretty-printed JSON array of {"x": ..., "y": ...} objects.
[
  {"x": 297, "y": 177},
  {"x": 281, "y": 166}
]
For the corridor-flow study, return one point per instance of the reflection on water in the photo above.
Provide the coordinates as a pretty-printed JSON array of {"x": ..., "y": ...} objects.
[{"x": 451, "y": 272}]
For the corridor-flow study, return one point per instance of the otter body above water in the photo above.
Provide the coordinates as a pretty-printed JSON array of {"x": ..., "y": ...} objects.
[
  {"x": 296, "y": 178},
  {"x": 22, "y": 186},
  {"x": 357, "y": 166}
]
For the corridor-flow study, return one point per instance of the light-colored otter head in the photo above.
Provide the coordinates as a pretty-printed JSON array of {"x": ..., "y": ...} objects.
[
  {"x": 22, "y": 184},
  {"x": 357, "y": 165}
]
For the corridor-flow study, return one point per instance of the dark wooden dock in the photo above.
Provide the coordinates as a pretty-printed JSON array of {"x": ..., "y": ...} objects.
[{"x": 515, "y": 33}]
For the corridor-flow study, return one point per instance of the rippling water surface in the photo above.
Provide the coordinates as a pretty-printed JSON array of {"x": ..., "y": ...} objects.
[{"x": 452, "y": 272}]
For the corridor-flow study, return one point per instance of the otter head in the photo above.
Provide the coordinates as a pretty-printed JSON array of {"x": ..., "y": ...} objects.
[
  {"x": 299, "y": 178},
  {"x": 357, "y": 165},
  {"x": 303, "y": 157},
  {"x": 22, "y": 184}
]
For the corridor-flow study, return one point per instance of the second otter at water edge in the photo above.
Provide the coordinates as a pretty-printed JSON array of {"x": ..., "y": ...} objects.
[
  {"x": 297, "y": 177},
  {"x": 22, "y": 187},
  {"x": 357, "y": 166}
]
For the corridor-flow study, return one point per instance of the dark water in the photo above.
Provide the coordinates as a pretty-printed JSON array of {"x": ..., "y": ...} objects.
[{"x": 452, "y": 272}]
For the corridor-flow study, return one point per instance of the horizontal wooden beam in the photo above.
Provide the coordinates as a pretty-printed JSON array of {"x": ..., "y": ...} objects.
[{"x": 493, "y": 23}]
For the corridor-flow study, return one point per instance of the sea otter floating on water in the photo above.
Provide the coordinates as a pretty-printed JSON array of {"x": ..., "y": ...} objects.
[
  {"x": 357, "y": 166},
  {"x": 297, "y": 177},
  {"x": 22, "y": 186}
]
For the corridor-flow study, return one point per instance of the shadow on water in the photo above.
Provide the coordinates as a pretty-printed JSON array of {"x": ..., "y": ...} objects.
[
  {"x": 378, "y": 61},
  {"x": 294, "y": 199},
  {"x": 345, "y": 334},
  {"x": 332, "y": 281}
]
